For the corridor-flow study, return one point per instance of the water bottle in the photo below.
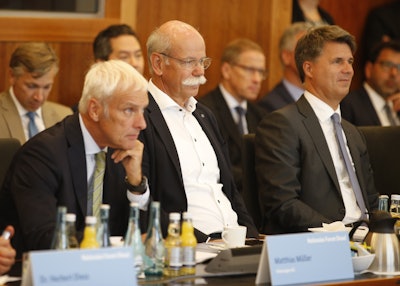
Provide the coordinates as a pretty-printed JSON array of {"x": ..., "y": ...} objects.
[
  {"x": 60, "y": 238},
  {"x": 173, "y": 256},
  {"x": 383, "y": 204},
  {"x": 133, "y": 238},
  {"x": 189, "y": 243},
  {"x": 154, "y": 244},
  {"x": 89, "y": 234},
  {"x": 103, "y": 232},
  {"x": 71, "y": 230}
]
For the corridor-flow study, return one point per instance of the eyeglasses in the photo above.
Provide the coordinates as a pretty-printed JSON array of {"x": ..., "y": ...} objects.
[
  {"x": 388, "y": 66},
  {"x": 191, "y": 63},
  {"x": 250, "y": 70}
]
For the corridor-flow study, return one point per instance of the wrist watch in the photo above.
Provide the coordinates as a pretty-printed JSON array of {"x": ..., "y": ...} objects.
[{"x": 140, "y": 189}]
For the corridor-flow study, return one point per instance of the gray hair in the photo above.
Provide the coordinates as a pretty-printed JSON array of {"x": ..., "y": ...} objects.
[{"x": 104, "y": 79}]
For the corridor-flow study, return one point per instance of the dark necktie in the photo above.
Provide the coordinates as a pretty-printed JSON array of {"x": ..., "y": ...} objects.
[
  {"x": 389, "y": 115},
  {"x": 242, "y": 113},
  {"x": 349, "y": 166},
  {"x": 32, "y": 128}
]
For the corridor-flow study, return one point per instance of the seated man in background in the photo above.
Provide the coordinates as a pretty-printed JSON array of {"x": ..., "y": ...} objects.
[
  {"x": 242, "y": 70},
  {"x": 305, "y": 154},
  {"x": 290, "y": 88},
  {"x": 378, "y": 101},
  {"x": 119, "y": 42},
  {"x": 185, "y": 156},
  {"x": 24, "y": 109},
  {"x": 57, "y": 167},
  {"x": 7, "y": 252}
]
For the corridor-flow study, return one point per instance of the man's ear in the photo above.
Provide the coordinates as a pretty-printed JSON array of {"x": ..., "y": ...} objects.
[
  {"x": 307, "y": 68},
  {"x": 226, "y": 70},
  {"x": 94, "y": 109},
  {"x": 157, "y": 63}
]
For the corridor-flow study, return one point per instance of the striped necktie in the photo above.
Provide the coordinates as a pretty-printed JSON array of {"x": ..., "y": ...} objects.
[
  {"x": 32, "y": 128},
  {"x": 98, "y": 177}
]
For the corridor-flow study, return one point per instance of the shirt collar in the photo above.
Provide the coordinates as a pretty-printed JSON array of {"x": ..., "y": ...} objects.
[
  {"x": 322, "y": 110},
  {"x": 91, "y": 146},
  {"x": 377, "y": 100},
  {"x": 164, "y": 101},
  {"x": 21, "y": 110},
  {"x": 230, "y": 100}
]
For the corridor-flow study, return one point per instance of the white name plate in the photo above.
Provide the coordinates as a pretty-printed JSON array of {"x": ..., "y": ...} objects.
[
  {"x": 305, "y": 258},
  {"x": 103, "y": 266}
]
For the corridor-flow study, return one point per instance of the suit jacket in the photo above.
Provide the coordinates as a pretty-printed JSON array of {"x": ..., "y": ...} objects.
[
  {"x": 216, "y": 102},
  {"x": 357, "y": 108},
  {"x": 277, "y": 98},
  {"x": 10, "y": 121},
  {"x": 162, "y": 168},
  {"x": 297, "y": 180},
  {"x": 50, "y": 170}
]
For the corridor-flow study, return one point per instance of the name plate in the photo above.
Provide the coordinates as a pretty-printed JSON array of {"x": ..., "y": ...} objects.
[
  {"x": 103, "y": 266},
  {"x": 305, "y": 258}
]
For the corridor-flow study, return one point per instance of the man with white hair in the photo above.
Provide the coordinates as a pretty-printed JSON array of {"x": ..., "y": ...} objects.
[{"x": 185, "y": 157}]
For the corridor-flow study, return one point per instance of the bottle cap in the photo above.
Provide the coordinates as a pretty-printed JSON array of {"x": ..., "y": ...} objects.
[
  {"x": 70, "y": 217},
  {"x": 105, "y": 206},
  {"x": 134, "y": 204},
  {"x": 384, "y": 197},
  {"x": 187, "y": 215},
  {"x": 395, "y": 197},
  {"x": 91, "y": 220},
  {"x": 155, "y": 204},
  {"x": 175, "y": 216}
]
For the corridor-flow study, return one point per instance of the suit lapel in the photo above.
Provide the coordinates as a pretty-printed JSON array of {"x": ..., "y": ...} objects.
[
  {"x": 77, "y": 158},
  {"x": 12, "y": 118},
  {"x": 161, "y": 127},
  {"x": 311, "y": 123}
]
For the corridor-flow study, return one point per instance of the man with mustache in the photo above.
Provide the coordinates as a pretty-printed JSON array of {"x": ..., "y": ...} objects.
[
  {"x": 185, "y": 157},
  {"x": 313, "y": 167}
]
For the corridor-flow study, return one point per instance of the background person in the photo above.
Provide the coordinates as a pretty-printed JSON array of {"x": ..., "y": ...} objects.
[{"x": 24, "y": 109}]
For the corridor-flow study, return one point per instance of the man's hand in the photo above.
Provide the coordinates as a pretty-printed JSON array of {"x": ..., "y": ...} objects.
[
  {"x": 7, "y": 252},
  {"x": 132, "y": 162}
]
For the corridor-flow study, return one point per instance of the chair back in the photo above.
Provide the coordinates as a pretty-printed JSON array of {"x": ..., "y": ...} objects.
[
  {"x": 8, "y": 147},
  {"x": 383, "y": 145},
  {"x": 250, "y": 189}
]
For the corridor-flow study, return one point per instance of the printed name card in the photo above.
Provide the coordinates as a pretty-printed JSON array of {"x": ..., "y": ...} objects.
[
  {"x": 103, "y": 266},
  {"x": 304, "y": 258}
]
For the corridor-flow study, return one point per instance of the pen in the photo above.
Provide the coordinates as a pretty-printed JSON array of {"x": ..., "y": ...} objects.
[{"x": 6, "y": 234}]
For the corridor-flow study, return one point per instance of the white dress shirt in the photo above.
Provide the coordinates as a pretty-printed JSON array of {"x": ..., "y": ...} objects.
[
  {"x": 379, "y": 103},
  {"x": 324, "y": 113},
  {"x": 210, "y": 208},
  {"x": 24, "y": 119}
]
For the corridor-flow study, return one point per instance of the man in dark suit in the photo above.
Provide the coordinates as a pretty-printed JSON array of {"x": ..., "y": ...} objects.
[
  {"x": 55, "y": 168},
  {"x": 243, "y": 70},
  {"x": 185, "y": 157},
  {"x": 378, "y": 101},
  {"x": 303, "y": 178},
  {"x": 290, "y": 88}
]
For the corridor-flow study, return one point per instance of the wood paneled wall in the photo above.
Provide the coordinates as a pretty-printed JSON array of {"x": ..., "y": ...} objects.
[{"x": 219, "y": 21}]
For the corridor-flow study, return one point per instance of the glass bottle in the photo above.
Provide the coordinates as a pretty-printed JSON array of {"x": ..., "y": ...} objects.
[
  {"x": 173, "y": 256},
  {"x": 395, "y": 211},
  {"x": 103, "y": 232},
  {"x": 133, "y": 238},
  {"x": 60, "y": 238},
  {"x": 383, "y": 204},
  {"x": 189, "y": 243},
  {"x": 89, "y": 234},
  {"x": 154, "y": 244},
  {"x": 71, "y": 230}
]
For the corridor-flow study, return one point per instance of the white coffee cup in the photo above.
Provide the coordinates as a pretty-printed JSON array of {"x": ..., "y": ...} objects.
[{"x": 234, "y": 236}]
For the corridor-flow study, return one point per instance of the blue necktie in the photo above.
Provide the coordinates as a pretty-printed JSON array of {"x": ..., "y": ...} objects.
[
  {"x": 32, "y": 128},
  {"x": 349, "y": 166},
  {"x": 241, "y": 112}
]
